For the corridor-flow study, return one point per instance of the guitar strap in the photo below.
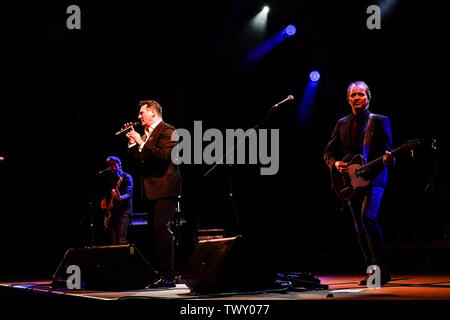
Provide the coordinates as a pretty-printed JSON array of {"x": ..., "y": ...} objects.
[{"x": 368, "y": 135}]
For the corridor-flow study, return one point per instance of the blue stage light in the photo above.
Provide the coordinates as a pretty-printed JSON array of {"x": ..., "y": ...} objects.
[
  {"x": 307, "y": 103},
  {"x": 290, "y": 30},
  {"x": 314, "y": 76}
]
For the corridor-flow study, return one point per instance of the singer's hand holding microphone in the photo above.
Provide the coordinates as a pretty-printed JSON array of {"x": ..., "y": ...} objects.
[{"x": 133, "y": 136}]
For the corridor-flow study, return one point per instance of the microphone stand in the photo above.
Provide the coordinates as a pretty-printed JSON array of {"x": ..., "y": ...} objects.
[
  {"x": 90, "y": 211},
  {"x": 229, "y": 176}
]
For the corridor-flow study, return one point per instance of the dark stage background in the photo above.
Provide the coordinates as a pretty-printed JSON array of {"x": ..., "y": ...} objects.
[{"x": 65, "y": 93}]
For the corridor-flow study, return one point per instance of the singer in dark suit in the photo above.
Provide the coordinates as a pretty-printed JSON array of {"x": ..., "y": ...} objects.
[
  {"x": 160, "y": 181},
  {"x": 369, "y": 135}
]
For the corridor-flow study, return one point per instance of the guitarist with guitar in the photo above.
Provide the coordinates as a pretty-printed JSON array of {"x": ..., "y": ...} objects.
[
  {"x": 117, "y": 201},
  {"x": 365, "y": 136}
]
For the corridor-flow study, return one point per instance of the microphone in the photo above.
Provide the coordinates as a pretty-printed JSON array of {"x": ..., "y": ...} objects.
[
  {"x": 290, "y": 97},
  {"x": 128, "y": 128},
  {"x": 104, "y": 170}
]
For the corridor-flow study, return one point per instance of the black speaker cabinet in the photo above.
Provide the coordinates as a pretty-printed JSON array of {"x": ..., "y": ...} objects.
[
  {"x": 111, "y": 268},
  {"x": 227, "y": 265}
]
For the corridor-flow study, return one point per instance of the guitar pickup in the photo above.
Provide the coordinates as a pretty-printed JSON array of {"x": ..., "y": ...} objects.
[{"x": 360, "y": 173}]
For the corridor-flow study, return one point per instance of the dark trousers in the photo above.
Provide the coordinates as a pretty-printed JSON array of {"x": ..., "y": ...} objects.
[
  {"x": 118, "y": 229},
  {"x": 364, "y": 207},
  {"x": 163, "y": 213}
]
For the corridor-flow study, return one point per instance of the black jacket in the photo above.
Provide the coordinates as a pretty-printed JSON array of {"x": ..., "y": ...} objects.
[
  {"x": 340, "y": 146},
  {"x": 159, "y": 176}
]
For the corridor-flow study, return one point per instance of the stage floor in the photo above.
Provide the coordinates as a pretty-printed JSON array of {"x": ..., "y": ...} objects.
[{"x": 340, "y": 287}]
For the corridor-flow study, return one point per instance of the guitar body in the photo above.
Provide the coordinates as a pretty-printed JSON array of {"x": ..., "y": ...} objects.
[
  {"x": 110, "y": 205},
  {"x": 346, "y": 184},
  {"x": 107, "y": 206},
  {"x": 108, "y": 215}
]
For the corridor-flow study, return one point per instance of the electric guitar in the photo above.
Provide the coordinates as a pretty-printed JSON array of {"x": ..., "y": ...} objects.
[
  {"x": 345, "y": 184},
  {"x": 110, "y": 205}
]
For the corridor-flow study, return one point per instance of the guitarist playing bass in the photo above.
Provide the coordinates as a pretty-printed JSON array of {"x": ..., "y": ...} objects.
[
  {"x": 368, "y": 135},
  {"x": 117, "y": 201}
]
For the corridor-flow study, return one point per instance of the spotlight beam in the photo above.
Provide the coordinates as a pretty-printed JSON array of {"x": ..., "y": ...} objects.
[
  {"x": 307, "y": 102},
  {"x": 271, "y": 43}
]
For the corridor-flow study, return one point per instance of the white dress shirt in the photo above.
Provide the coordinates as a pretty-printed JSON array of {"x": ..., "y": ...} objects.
[{"x": 148, "y": 132}]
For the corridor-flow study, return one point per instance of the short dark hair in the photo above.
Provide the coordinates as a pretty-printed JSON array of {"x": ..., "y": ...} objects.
[
  {"x": 114, "y": 159},
  {"x": 151, "y": 104}
]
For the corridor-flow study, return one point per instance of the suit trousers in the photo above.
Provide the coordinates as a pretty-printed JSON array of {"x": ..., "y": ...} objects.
[
  {"x": 364, "y": 207},
  {"x": 163, "y": 213}
]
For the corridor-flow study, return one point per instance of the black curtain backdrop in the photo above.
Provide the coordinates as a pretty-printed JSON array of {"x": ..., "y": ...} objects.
[{"x": 66, "y": 92}]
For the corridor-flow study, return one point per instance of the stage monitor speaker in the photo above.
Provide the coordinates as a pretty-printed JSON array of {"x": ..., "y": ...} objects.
[
  {"x": 111, "y": 268},
  {"x": 227, "y": 265}
]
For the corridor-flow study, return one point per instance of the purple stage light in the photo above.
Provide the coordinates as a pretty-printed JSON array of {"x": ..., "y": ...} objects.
[
  {"x": 290, "y": 30},
  {"x": 314, "y": 76}
]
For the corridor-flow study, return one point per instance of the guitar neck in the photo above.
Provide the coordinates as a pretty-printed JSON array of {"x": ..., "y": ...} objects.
[{"x": 379, "y": 159}]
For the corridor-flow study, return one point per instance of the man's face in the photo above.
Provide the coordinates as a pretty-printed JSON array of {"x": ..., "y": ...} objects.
[
  {"x": 114, "y": 166},
  {"x": 358, "y": 99},
  {"x": 147, "y": 116}
]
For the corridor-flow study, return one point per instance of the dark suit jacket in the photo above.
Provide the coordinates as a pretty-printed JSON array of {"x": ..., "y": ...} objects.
[
  {"x": 159, "y": 176},
  {"x": 339, "y": 146}
]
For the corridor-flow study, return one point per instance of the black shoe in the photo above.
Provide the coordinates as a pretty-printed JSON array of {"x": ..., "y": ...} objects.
[
  {"x": 385, "y": 278},
  {"x": 162, "y": 283}
]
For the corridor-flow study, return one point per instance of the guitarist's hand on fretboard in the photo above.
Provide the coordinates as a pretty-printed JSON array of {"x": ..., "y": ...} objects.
[{"x": 388, "y": 159}]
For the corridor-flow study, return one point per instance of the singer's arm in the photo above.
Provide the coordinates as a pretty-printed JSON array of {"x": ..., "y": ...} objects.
[
  {"x": 155, "y": 152},
  {"x": 161, "y": 151},
  {"x": 134, "y": 138},
  {"x": 132, "y": 144},
  {"x": 133, "y": 149}
]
